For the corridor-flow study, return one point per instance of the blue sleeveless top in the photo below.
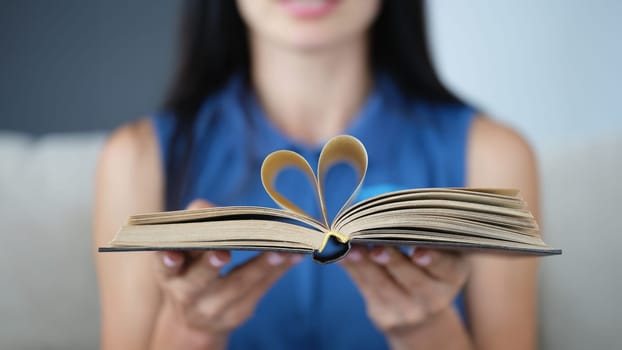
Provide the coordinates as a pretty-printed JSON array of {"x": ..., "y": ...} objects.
[{"x": 410, "y": 144}]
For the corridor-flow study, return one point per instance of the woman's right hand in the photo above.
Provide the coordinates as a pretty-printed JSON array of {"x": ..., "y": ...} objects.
[{"x": 207, "y": 304}]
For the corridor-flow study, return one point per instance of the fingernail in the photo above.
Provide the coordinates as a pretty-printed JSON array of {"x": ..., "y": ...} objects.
[
  {"x": 215, "y": 260},
  {"x": 354, "y": 255},
  {"x": 275, "y": 259},
  {"x": 168, "y": 261},
  {"x": 296, "y": 258},
  {"x": 424, "y": 259},
  {"x": 381, "y": 256}
]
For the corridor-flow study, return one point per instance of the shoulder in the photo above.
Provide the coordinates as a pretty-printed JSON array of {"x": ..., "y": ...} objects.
[
  {"x": 131, "y": 144},
  {"x": 130, "y": 159},
  {"x": 497, "y": 154}
]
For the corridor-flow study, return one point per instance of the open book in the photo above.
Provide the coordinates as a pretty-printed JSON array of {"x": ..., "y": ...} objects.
[{"x": 494, "y": 220}]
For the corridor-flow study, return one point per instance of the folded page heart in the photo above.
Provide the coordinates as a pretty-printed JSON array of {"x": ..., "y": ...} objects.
[{"x": 342, "y": 148}]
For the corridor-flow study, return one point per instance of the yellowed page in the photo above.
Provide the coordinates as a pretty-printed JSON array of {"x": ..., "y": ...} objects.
[
  {"x": 207, "y": 233},
  {"x": 272, "y": 166},
  {"x": 217, "y": 213},
  {"x": 339, "y": 149},
  {"x": 416, "y": 206},
  {"x": 440, "y": 223},
  {"x": 457, "y": 194}
]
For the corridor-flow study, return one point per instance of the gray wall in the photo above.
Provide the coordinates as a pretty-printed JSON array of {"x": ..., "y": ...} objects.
[
  {"x": 76, "y": 65},
  {"x": 548, "y": 67}
]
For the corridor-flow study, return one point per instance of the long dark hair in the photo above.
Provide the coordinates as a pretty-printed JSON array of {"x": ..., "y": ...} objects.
[{"x": 214, "y": 45}]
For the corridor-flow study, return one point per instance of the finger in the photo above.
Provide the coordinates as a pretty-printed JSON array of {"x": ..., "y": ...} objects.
[
  {"x": 257, "y": 274},
  {"x": 430, "y": 293},
  {"x": 386, "y": 302},
  {"x": 262, "y": 266},
  {"x": 408, "y": 275},
  {"x": 442, "y": 265},
  {"x": 244, "y": 306},
  {"x": 199, "y": 204},
  {"x": 373, "y": 281},
  {"x": 205, "y": 268},
  {"x": 201, "y": 274},
  {"x": 170, "y": 263},
  {"x": 218, "y": 258}
]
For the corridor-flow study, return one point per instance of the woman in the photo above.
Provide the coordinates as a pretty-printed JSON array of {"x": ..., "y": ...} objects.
[{"x": 261, "y": 75}]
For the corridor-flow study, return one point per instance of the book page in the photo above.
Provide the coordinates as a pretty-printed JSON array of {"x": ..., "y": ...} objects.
[
  {"x": 455, "y": 242},
  {"x": 339, "y": 149},
  {"x": 220, "y": 213},
  {"x": 442, "y": 206},
  {"x": 466, "y": 195},
  {"x": 404, "y": 220},
  {"x": 273, "y": 165},
  {"x": 239, "y": 233}
]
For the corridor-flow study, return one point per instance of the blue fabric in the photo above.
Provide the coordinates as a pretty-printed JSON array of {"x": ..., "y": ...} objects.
[{"x": 410, "y": 144}]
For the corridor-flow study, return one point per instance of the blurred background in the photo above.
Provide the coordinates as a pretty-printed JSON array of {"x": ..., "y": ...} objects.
[{"x": 72, "y": 70}]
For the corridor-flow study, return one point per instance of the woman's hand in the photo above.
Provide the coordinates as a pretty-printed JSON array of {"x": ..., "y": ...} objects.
[
  {"x": 207, "y": 304},
  {"x": 405, "y": 293}
]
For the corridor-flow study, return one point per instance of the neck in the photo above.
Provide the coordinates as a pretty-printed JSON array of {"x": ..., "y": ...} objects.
[{"x": 311, "y": 95}]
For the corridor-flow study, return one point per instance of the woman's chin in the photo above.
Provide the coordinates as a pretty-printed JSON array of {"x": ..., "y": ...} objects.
[
  {"x": 308, "y": 24},
  {"x": 310, "y": 43},
  {"x": 314, "y": 39}
]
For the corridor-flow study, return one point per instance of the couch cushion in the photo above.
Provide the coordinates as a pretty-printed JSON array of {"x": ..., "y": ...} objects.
[
  {"x": 582, "y": 206},
  {"x": 49, "y": 295}
]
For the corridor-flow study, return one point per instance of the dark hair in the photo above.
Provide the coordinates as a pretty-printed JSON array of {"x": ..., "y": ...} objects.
[{"x": 214, "y": 45}]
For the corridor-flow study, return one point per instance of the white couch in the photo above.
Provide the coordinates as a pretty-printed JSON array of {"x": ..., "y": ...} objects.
[{"x": 48, "y": 298}]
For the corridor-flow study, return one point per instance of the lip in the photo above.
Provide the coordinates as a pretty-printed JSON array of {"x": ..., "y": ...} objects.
[{"x": 308, "y": 9}]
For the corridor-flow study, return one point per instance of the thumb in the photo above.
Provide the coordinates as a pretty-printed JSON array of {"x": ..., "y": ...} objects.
[{"x": 199, "y": 204}]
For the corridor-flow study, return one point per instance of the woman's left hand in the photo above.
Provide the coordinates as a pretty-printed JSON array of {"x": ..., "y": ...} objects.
[{"x": 404, "y": 292}]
